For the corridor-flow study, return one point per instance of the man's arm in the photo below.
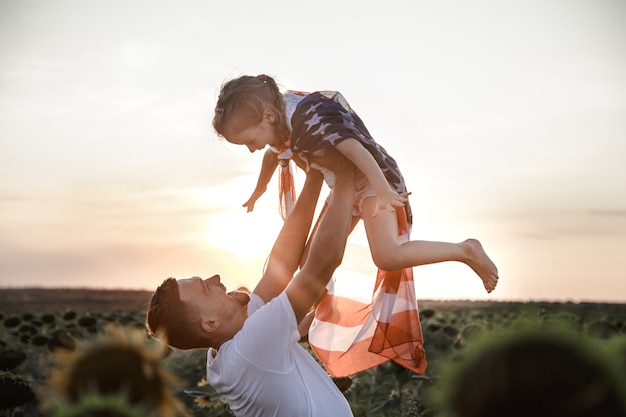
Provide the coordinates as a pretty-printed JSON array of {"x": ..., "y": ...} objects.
[
  {"x": 289, "y": 245},
  {"x": 328, "y": 243}
]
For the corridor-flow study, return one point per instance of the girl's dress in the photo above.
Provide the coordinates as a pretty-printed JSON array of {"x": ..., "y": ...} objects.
[
  {"x": 322, "y": 119},
  {"x": 351, "y": 335}
]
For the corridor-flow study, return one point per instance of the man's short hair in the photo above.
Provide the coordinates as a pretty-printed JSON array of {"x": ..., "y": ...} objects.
[{"x": 170, "y": 319}]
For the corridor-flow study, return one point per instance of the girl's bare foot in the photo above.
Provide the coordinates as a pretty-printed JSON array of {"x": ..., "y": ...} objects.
[{"x": 478, "y": 260}]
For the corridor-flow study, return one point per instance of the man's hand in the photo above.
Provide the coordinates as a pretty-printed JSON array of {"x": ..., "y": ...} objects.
[
  {"x": 388, "y": 201},
  {"x": 333, "y": 160}
]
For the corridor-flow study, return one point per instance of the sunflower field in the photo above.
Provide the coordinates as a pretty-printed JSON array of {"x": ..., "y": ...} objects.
[{"x": 484, "y": 359}]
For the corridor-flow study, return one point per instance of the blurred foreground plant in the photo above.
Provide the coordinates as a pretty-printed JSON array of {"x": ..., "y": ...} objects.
[
  {"x": 537, "y": 370},
  {"x": 122, "y": 362}
]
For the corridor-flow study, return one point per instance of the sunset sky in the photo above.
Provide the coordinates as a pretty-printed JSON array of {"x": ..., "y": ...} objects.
[{"x": 508, "y": 120}]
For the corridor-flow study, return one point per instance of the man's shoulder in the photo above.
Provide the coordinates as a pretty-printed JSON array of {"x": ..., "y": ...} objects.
[
  {"x": 280, "y": 302},
  {"x": 255, "y": 303}
]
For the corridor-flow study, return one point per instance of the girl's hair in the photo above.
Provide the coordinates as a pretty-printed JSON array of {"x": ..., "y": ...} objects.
[{"x": 244, "y": 99}]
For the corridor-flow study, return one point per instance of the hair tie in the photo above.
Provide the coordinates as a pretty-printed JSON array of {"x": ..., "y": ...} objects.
[{"x": 263, "y": 78}]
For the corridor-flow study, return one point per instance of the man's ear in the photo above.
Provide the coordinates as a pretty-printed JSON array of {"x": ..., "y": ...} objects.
[
  {"x": 269, "y": 115},
  {"x": 210, "y": 326}
]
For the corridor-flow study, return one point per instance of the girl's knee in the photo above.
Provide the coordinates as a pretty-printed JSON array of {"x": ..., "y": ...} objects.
[{"x": 387, "y": 260}]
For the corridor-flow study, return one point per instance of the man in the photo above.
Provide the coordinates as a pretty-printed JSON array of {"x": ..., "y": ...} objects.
[{"x": 254, "y": 359}]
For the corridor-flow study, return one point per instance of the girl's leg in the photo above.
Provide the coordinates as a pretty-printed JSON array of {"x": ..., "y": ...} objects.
[{"x": 389, "y": 255}]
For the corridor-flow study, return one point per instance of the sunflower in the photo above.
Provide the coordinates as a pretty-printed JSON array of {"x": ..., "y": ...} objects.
[
  {"x": 122, "y": 361},
  {"x": 205, "y": 396},
  {"x": 15, "y": 391}
]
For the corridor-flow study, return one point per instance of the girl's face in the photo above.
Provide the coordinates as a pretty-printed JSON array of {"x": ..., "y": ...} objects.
[{"x": 257, "y": 136}]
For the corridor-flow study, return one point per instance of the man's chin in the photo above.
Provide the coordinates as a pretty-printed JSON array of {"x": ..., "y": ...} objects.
[{"x": 242, "y": 297}]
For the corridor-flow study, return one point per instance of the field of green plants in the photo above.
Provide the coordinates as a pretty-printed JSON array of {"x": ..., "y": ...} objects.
[{"x": 454, "y": 335}]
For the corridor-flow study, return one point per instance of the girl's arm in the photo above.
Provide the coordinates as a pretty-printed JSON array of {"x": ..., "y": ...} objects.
[
  {"x": 365, "y": 162},
  {"x": 270, "y": 162}
]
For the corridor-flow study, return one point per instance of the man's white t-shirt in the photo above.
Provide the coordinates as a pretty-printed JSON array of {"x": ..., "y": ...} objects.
[{"x": 264, "y": 371}]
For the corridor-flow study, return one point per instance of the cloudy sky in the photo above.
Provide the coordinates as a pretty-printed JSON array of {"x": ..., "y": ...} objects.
[{"x": 508, "y": 120}]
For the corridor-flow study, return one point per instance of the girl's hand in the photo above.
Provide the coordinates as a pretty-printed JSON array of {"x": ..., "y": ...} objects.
[
  {"x": 249, "y": 205},
  {"x": 388, "y": 201},
  {"x": 253, "y": 198}
]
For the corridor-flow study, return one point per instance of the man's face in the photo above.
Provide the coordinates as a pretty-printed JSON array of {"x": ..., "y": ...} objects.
[{"x": 210, "y": 296}]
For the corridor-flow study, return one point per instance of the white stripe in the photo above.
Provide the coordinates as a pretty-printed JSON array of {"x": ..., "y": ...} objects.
[
  {"x": 329, "y": 336},
  {"x": 385, "y": 305},
  {"x": 353, "y": 285}
]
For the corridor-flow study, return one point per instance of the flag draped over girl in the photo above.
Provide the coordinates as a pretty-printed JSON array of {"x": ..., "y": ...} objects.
[{"x": 351, "y": 334}]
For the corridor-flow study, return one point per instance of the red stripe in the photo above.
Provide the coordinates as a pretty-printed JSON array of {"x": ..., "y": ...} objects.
[
  {"x": 286, "y": 190},
  {"x": 342, "y": 311}
]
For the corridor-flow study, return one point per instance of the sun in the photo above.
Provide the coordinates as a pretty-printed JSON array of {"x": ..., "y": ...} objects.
[{"x": 247, "y": 235}]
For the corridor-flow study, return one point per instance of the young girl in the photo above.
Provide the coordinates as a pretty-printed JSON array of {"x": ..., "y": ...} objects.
[
  {"x": 349, "y": 334},
  {"x": 252, "y": 111}
]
